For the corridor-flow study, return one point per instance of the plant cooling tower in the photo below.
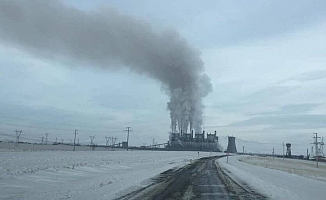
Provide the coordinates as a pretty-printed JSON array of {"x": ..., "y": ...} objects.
[{"x": 231, "y": 145}]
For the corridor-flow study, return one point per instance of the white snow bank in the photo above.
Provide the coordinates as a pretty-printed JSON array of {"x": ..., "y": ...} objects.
[
  {"x": 274, "y": 184},
  {"x": 304, "y": 168},
  {"x": 83, "y": 174}
]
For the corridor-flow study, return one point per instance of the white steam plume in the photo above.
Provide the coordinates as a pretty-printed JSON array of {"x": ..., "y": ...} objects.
[{"x": 110, "y": 40}]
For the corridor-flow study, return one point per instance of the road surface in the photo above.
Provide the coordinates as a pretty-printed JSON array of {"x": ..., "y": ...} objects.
[{"x": 202, "y": 179}]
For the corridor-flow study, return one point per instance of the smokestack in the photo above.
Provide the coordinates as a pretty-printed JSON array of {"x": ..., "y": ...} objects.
[{"x": 231, "y": 145}]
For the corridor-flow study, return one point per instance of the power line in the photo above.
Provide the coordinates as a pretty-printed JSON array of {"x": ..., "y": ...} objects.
[
  {"x": 37, "y": 127},
  {"x": 28, "y": 138},
  {"x": 42, "y": 127},
  {"x": 54, "y": 123}
]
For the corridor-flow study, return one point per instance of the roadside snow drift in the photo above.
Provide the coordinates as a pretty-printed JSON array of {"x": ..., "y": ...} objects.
[{"x": 275, "y": 184}]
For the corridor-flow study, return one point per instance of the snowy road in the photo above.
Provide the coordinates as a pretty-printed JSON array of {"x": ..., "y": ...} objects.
[
  {"x": 200, "y": 180},
  {"x": 83, "y": 175}
]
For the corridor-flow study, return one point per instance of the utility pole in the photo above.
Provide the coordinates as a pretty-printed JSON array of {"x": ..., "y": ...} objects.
[
  {"x": 316, "y": 146},
  {"x": 273, "y": 152},
  {"x": 75, "y": 140},
  {"x": 46, "y": 138},
  {"x": 18, "y": 133},
  {"x": 242, "y": 149},
  {"x": 128, "y": 129},
  {"x": 283, "y": 150}
]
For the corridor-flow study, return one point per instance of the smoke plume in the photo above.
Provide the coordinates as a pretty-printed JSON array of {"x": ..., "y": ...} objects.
[{"x": 107, "y": 39}]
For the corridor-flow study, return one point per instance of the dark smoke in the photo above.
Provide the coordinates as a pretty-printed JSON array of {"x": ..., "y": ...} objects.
[{"x": 109, "y": 40}]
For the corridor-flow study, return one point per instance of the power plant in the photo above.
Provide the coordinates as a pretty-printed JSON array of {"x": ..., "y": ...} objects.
[
  {"x": 231, "y": 145},
  {"x": 194, "y": 142}
]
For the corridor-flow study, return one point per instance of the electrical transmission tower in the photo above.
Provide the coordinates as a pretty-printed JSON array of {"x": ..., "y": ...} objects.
[
  {"x": 92, "y": 137},
  {"x": 113, "y": 139},
  {"x": 18, "y": 133},
  {"x": 107, "y": 140},
  {"x": 128, "y": 129},
  {"x": 316, "y": 143},
  {"x": 46, "y": 138},
  {"x": 75, "y": 140}
]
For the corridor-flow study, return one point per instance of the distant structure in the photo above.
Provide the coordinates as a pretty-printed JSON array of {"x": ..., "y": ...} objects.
[
  {"x": 125, "y": 145},
  {"x": 317, "y": 150},
  {"x": 288, "y": 150},
  {"x": 231, "y": 145},
  {"x": 193, "y": 142}
]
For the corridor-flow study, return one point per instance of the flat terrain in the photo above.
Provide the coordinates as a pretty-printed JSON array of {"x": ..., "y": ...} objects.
[
  {"x": 53, "y": 174},
  {"x": 83, "y": 174},
  {"x": 303, "y": 168},
  {"x": 275, "y": 183}
]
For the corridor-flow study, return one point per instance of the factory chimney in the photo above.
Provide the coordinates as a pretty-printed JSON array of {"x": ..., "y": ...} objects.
[{"x": 231, "y": 145}]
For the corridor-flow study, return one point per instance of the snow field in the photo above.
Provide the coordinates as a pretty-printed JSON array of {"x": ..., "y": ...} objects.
[
  {"x": 83, "y": 174},
  {"x": 304, "y": 168},
  {"x": 275, "y": 184}
]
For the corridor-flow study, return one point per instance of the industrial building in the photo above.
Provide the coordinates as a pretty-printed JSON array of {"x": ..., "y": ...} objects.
[{"x": 194, "y": 142}]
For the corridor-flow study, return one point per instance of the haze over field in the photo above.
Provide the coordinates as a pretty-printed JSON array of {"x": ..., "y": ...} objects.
[{"x": 266, "y": 62}]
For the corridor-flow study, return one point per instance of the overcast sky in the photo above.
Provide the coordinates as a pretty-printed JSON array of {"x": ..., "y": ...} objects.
[{"x": 266, "y": 61}]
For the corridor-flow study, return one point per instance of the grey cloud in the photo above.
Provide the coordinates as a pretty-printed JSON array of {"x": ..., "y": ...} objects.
[
  {"x": 309, "y": 76},
  {"x": 49, "y": 116},
  {"x": 299, "y": 121},
  {"x": 242, "y": 21},
  {"x": 268, "y": 93},
  {"x": 247, "y": 105},
  {"x": 109, "y": 40},
  {"x": 287, "y": 117},
  {"x": 292, "y": 109}
]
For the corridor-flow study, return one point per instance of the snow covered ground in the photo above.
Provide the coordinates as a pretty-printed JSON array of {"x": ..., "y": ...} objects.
[
  {"x": 83, "y": 174},
  {"x": 109, "y": 174},
  {"x": 276, "y": 184},
  {"x": 294, "y": 166}
]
